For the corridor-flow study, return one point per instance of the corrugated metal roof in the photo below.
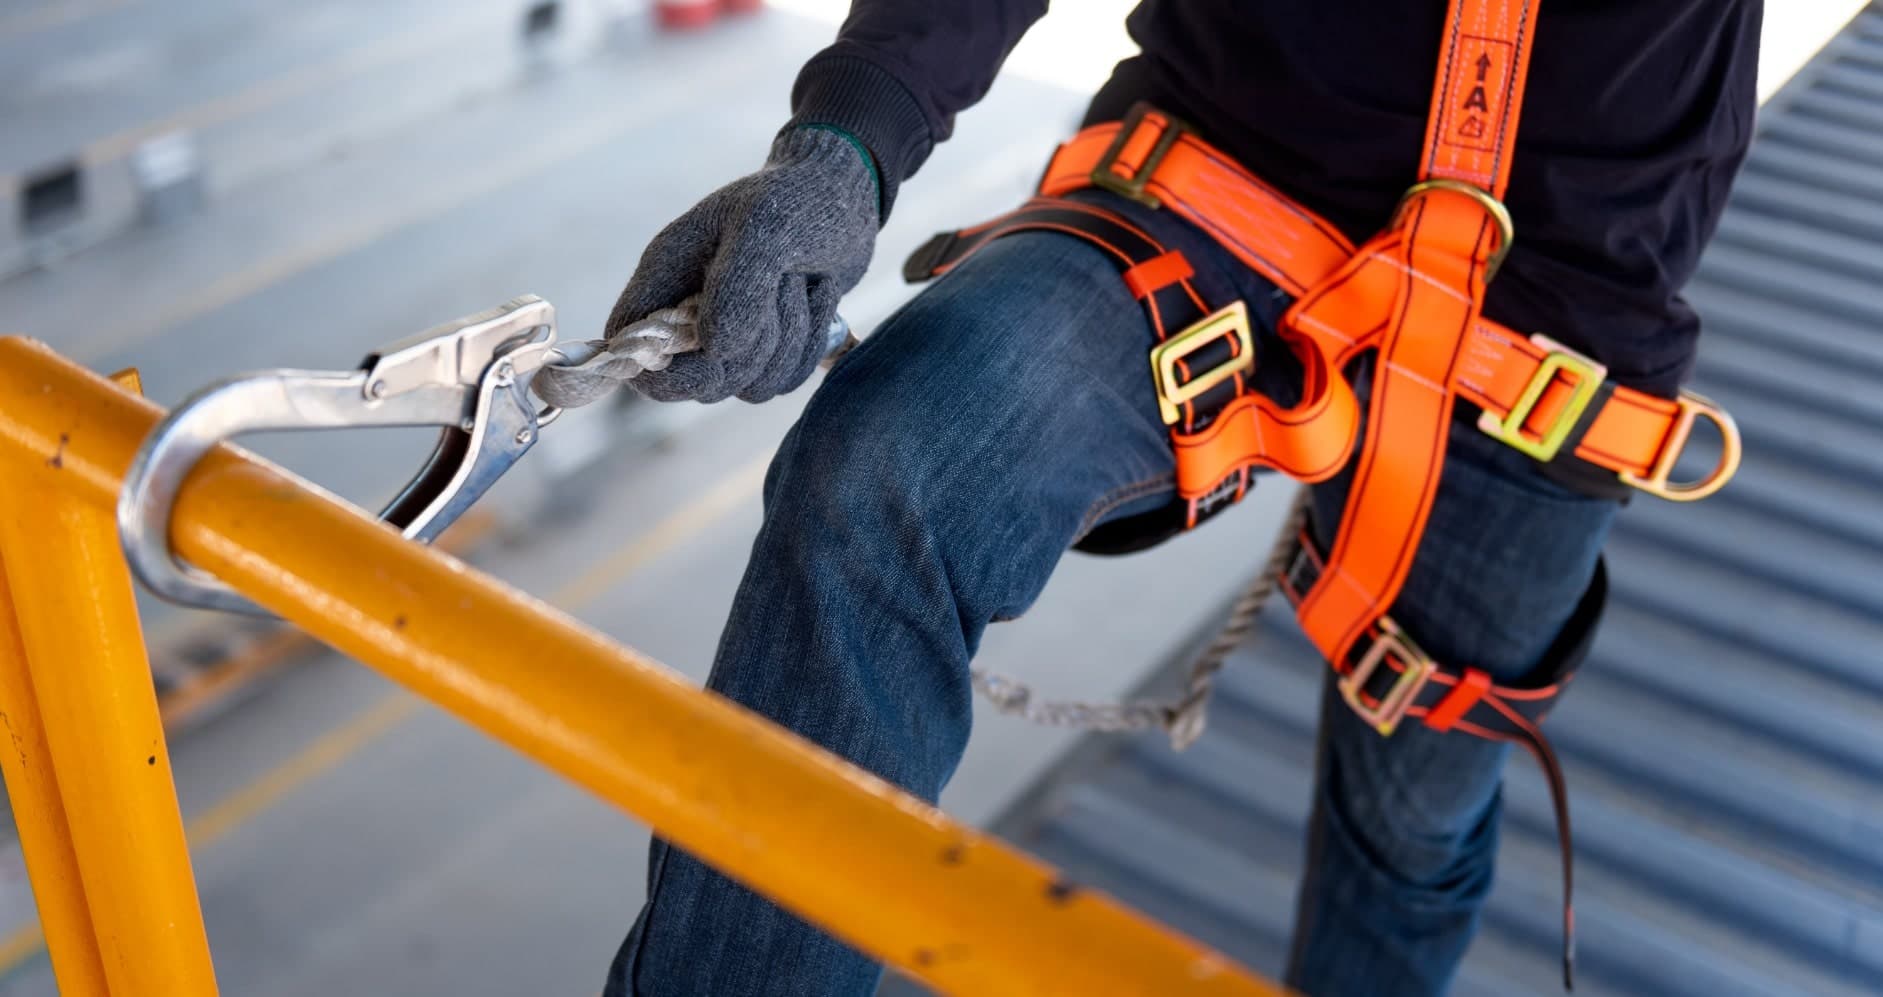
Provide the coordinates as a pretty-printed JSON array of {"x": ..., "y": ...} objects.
[{"x": 1725, "y": 741}]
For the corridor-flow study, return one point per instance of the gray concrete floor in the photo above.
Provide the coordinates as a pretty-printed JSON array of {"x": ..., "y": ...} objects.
[{"x": 347, "y": 839}]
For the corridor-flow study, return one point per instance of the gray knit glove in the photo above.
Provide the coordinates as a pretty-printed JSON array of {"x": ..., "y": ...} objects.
[{"x": 768, "y": 255}]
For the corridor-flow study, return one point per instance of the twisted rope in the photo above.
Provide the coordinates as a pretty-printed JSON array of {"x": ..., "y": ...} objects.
[
  {"x": 1185, "y": 717},
  {"x": 600, "y": 365}
]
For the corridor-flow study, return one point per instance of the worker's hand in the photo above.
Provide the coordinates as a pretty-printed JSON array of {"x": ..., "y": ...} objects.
[{"x": 768, "y": 255}]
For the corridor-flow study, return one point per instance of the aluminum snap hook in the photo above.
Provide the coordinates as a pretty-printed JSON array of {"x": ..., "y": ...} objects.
[{"x": 468, "y": 376}]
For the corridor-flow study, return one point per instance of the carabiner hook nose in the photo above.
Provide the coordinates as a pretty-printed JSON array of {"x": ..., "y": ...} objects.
[{"x": 467, "y": 377}]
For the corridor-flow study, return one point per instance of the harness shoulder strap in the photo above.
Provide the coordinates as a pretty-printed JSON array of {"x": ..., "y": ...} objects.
[
  {"x": 1425, "y": 277},
  {"x": 1477, "y": 97},
  {"x": 1421, "y": 282}
]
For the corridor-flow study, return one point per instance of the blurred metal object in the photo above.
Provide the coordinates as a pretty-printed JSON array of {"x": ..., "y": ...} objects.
[
  {"x": 168, "y": 176},
  {"x": 539, "y": 33},
  {"x": 469, "y": 376},
  {"x": 541, "y": 19},
  {"x": 51, "y": 198},
  {"x": 839, "y": 340},
  {"x": 50, "y": 208},
  {"x": 685, "y": 15}
]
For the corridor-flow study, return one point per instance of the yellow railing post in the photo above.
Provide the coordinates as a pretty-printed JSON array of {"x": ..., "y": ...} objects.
[
  {"x": 84, "y": 650},
  {"x": 45, "y": 840}
]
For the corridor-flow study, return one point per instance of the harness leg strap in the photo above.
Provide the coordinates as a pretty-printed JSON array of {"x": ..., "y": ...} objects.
[{"x": 1388, "y": 680}]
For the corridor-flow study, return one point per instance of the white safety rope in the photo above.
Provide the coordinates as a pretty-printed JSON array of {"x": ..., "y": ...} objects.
[
  {"x": 1185, "y": 717},
  {"x": 589, "y": 370}
]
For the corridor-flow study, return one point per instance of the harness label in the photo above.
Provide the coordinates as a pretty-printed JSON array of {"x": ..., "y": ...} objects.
[
  {"x": 1221, "y": 494},
  {"x": 1476, "y": 93}
]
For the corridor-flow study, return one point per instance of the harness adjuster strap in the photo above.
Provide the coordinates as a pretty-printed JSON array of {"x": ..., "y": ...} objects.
[
  {"x": 1167, "y": 359},
  {"x": 1469, "y": 691},
  {"x": 1153, "y": 275},
  {"x": 1387, "y": 677},
  {"x": 1131, "y": 185},
  {"x": 1473, "y": 704},
  {"x": 1587, "y": 376},
  {"x": 1416, "y": 668},
  {"x": 1590, "y": 392}
]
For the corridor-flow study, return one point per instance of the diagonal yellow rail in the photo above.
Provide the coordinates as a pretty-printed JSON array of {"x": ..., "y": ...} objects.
[{"x": 886, "y": 872}]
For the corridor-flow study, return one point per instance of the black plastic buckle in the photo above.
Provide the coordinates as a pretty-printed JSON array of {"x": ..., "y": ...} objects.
[{"x": 921, "y": 264}]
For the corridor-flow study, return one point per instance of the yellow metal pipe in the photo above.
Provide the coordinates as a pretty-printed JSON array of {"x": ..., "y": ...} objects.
[
  {"x": 45, "y": 839},
  {"x": 886, "y": 872},
  {"x": 85, "y": 651}
]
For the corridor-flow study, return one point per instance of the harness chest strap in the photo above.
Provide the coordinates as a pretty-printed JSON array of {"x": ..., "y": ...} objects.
[{"x": 1421, "y": 282}]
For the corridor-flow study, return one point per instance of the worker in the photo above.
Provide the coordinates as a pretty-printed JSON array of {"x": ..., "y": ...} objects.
[{"x": 1243, "y": 180}]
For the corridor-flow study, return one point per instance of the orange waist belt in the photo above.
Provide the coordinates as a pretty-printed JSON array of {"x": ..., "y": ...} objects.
[
  {"x": 1535, "y": 394},
  {"x": 1414, "y": 295}
]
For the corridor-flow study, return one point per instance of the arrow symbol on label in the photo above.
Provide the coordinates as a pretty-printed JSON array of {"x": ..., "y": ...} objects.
[{"x": 1484, "y": 67}]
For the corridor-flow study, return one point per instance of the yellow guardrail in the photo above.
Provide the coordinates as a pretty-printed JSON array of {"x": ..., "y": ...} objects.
[{"x": 93, "y": 795}]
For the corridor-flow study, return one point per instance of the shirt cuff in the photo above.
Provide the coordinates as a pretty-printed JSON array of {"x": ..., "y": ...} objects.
[{"x": 868, "y": 102}]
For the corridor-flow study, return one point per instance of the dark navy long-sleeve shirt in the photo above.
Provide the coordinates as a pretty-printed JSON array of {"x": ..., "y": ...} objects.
[{"x": 1637, "y": 116}]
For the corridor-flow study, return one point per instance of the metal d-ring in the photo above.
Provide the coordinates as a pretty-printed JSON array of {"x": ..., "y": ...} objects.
[{"x": 1493, "y": 208}]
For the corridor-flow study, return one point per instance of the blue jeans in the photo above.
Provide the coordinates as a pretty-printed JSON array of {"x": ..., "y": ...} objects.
[{"x": 930, "y": 487}]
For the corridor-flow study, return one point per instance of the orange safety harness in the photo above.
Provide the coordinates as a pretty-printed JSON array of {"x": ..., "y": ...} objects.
[{"x": 1414, "y": 293}]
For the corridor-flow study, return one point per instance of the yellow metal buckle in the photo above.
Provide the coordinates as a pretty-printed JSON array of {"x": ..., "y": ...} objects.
[
  {"x": 1657, "y": 481},
  {"x": 1386, "y": 712},
  {"x": 1172, "y": 394},
  {"x": 1506, "y": 229},
  {"x": 1105, "y": 178},
  {"x": 1589, "y": 376}
]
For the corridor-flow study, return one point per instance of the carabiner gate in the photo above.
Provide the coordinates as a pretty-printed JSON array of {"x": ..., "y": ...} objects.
[{"x": 469, "y": 376}]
